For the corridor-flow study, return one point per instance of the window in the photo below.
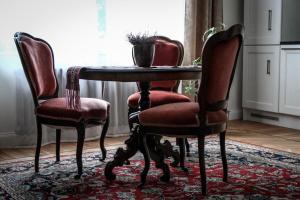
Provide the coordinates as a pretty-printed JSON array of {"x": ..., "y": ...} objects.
[
  {"x": 90, "y": 31},
  {"x": 138, "y": 16},
  {"x": 85, "y": 32}
]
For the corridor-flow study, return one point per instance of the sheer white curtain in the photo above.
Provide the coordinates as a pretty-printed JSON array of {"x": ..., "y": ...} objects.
[
  {"x": 81, "y": 32},
  {"x": 71, "y": 28}
]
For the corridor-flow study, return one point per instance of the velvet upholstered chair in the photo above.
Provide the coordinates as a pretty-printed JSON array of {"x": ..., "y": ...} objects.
[
  {"x": 167, "y": 53},
  {"x": 38, "y": 63},
  {"x": 209, "y": 114}
]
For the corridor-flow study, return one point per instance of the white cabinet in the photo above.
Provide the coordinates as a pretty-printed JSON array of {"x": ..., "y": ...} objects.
[
  {"x": 271, "y": 73},
  {"x": 289, "y": 101},
  {"x": 262, "y": 20},
  {"x": 261, "y": 54},
  {"x": 261, "y": 77}
]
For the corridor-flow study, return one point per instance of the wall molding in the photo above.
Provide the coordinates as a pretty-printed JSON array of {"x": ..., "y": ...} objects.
[
  {"x": 277, "y": 119},
  {"x": 13, "y": 140},
  {"x": 235, "y": 114},
  {"x": 6, "y": 133}
]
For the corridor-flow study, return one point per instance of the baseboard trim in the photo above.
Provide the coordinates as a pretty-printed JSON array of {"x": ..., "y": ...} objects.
[
  {"x": 277, "y": 119},
  {"x": 5, "y": 134},
  {"x": 235, "y": 114},
  {"x": 13, "y": 140}
]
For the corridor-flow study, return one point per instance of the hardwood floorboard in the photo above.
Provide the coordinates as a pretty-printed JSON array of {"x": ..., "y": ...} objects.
[
  {"x": 275, "y": 137},
  {"x": 264, "y": 135}
]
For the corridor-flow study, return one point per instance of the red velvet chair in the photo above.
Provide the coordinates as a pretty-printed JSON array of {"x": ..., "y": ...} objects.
[
  {"x": 38, "y": 63},
  {"x": 209, "y": 114},
  {"x": 167, "y": 53}
]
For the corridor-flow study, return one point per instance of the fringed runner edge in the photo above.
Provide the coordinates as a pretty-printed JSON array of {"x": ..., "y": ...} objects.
[{"x": 72, "y": 91}]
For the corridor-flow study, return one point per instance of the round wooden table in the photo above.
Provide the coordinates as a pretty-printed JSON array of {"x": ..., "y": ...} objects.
[{"x": 144, "y": 76}]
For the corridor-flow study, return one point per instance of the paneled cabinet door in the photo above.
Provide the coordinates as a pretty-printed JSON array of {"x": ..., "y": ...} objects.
[
  {"x": 289, "y": 101},
  {"x": 262, "y": 21},
  {"x": 261, "y": 77}
]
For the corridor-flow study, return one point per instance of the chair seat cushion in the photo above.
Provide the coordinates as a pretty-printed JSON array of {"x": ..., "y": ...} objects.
[
  {"x": 179, "y": 115},
  {"x": 157, "y": 98},
  {"x": 91, "y": 108}
]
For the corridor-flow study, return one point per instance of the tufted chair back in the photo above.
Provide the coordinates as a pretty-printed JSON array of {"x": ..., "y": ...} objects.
[
  {"x": 38, "y": 64},
  {"x": 219, "y": 62}
]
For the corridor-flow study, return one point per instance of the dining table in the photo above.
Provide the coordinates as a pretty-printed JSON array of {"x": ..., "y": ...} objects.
[{"x": 144, "y": 76}]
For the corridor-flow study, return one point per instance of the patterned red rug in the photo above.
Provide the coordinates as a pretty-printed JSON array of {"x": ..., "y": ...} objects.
[{"x": 254, "y": 173}]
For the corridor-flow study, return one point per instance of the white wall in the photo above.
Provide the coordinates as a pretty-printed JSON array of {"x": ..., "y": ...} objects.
[{"x": 233, "y": 13}]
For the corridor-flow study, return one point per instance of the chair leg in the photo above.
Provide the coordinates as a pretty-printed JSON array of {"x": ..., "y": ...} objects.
[
  {"x": 58, "y": 136},
  {"x": 147, "y": 161},
  {"x": 38, "y": 146},
  {"x": 80, "y": 142},
  {"x": 102, "y": 137},
  {"x": 223, "y": 155},
  {"x": 130, "y": 110},
  {"x": 202, "y": 164},
  {"x": 181, "y": 143},
  {"x": 187, "y": 146}
]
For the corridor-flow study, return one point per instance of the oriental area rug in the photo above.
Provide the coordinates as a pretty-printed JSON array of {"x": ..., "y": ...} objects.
[{"x": 254, "y": 173}]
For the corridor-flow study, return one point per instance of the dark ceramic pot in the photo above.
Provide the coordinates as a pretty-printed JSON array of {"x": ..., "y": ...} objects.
[{"x": 143, "y": 54}]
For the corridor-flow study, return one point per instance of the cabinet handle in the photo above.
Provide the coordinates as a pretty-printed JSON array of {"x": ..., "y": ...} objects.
[
  {"x": 268, "y": 67},
  {"x": 270, "y": 20}
]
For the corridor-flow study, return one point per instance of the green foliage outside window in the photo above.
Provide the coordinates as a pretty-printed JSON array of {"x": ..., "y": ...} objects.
[{"x": 101, "y": 17}]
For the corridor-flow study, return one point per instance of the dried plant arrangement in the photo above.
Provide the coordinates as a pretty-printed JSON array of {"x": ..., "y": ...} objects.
[{"x": 140, "y": 39}]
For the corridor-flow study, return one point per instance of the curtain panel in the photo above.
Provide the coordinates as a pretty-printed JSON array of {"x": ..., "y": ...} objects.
[
  {"x": 200, "y": 15},
  {"x": 100, "y": 42}
]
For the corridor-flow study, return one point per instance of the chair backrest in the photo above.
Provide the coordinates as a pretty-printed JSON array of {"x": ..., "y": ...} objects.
[
  {"x": 167, "y": 53},
  {"x": 219, "y": 57},
  {"x": 38, "y": 63}
]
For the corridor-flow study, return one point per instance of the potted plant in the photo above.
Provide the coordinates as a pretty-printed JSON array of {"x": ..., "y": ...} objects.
[
  {"x": 207, "y": 34},
  {"x": 143, "y": 49},
  {"x": 190, "y": 87}
]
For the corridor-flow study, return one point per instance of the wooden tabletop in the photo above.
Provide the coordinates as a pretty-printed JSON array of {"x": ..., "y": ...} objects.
[{"x": 134, "y": 73}]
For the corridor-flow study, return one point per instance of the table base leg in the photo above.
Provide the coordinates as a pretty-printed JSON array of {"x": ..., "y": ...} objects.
[
  {"x": 122, "y": 155},
  {"x": 158, "y": 152},
  {"x": 168, "y": 151}
]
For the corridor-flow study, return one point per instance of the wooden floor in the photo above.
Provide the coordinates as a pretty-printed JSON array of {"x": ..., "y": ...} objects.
[
  {"x": 244, "y": 131},
  {"x": 275, "y": 137}
]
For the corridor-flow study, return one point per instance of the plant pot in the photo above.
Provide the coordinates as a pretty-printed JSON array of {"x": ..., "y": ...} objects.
[{"x": 143, "y": 54}]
